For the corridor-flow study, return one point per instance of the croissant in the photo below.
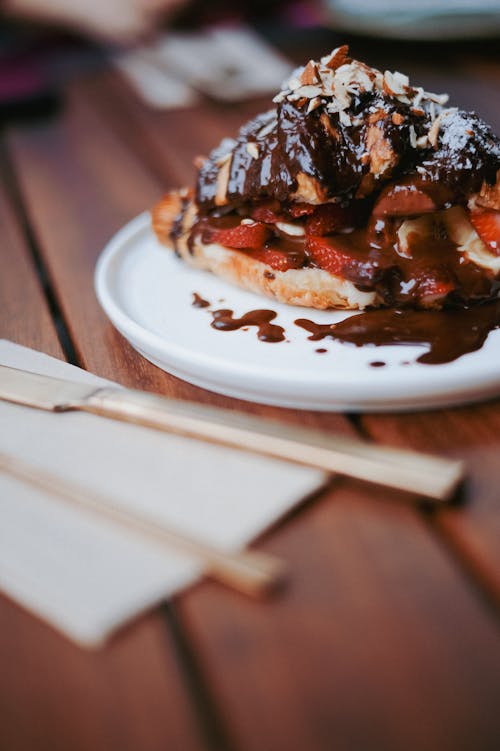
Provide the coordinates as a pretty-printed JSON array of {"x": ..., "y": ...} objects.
[{"x": 356, "y": 190}]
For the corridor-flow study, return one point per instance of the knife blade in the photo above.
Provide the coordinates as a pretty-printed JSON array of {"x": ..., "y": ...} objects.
[{"x": 420, "y": 474}]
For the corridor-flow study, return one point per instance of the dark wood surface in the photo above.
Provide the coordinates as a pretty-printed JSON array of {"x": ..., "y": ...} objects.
[{"x": 387, "y": 637}]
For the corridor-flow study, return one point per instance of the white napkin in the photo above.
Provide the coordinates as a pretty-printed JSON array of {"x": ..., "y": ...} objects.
[{"x": 82, "y": 574}]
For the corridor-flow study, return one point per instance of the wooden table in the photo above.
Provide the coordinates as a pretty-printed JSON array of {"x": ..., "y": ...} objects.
[{"x": 388, "y": 636}]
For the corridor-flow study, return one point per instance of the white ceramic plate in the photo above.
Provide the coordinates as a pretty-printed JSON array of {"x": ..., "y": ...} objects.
[{"x": 147, "y": 293}]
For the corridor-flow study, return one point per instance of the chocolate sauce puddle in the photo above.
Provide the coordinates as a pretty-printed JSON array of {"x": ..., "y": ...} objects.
[
  {"x": 223, "y": 320},
  {"x": 199, "y": 302},
  {"x": 448, "y": 333}
]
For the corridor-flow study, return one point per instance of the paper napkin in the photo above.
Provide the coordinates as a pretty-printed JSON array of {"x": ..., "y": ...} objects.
[{"x": 85, "y": 576}]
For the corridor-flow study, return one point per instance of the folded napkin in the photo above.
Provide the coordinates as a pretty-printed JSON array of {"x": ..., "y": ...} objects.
[{"x": 86, "y": 576}]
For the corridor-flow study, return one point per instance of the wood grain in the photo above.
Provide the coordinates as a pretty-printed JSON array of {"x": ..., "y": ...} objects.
[
  {"x": 381, "y": 641},
  {"x": 378, "y": 645},
  {"x": 54, "y": 696},
  {"x": 25, "y": 316}
]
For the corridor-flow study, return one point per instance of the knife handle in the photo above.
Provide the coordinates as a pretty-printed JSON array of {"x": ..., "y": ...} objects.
[{"x": 420, "y": 474}]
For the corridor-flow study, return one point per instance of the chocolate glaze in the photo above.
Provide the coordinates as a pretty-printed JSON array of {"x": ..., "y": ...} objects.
[
  {"x": 449, "y": 334},
  {"x": 199, "y": 302},
  {"x": 223, "y": 320},
  {"x": 320, "y": 145}
]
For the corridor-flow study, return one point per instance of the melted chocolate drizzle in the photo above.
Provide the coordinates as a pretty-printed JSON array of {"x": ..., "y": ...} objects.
[
  {"x": 199, "y": 302},
  {"x": 223, "y": 320},
  {"x": 449, "y": 334}
]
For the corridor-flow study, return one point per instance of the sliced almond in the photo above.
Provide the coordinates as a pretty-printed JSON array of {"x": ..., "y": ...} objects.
[
  {"x": 382, "y": 156},
  {"x": 397, "y": 118},
  {"x": 395, "y": 83},
  {"x": 337, "y": 58},
  {"x": 252, "y": 149},
  {"x": 222, "y": 182},
  {"x": 313, "y": 104},
  {"x": 308, "y": 190},
  {"x": 310, "y": 75},
  {"x": 309, "y": 92}
]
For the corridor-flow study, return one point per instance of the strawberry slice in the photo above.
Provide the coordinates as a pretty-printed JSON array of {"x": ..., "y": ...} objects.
[
  {"x": 434, "y": 287},
  {"x": 277, "y": 259},
  {"x": 329, "y": 255},
  {"x": 268, "y": 211},
  {"x": 296, "y": 210},
  {"x": 251, "y": 235},
  {"x": 330, "y": 218},
  {"x": 487, "y": 226}
]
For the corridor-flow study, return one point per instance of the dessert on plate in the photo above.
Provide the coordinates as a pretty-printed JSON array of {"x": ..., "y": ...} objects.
[{"x": 357, "y": 190}]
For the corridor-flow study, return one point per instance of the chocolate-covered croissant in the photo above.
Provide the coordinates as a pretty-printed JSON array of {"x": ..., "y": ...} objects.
[{"x": 357, "y": 190}]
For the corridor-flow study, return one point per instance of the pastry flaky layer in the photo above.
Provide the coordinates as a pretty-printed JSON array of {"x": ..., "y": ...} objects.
[{"x": 357, "y": 190}]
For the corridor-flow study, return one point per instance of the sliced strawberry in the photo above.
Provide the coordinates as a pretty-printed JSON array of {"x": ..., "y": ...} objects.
[
  {"x": 297, "y": 210},
  {"x": 328, "y": 254},
  {"x": 405, "y": 199},
  {"x": 487, "y": 226},
  {"x": 277, "y": 259},
  {"x": 330, "y": 218},
  {"x": 248, "y": 235},
  {"x": 268, "y": 211}
]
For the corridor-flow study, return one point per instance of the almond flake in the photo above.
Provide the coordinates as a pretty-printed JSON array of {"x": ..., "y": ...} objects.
[
  {"x": 438, "y": 98},
  {"x": 413, "y": 137},
  {"x": 252, "y": 149},
  {"x": 313, "y": 104},
  {"x": 310, "y": 75},
  {"x": 337, "y": 58},
  {"x": 309, "y": 91},
  {"x": 397, "y": 118},
  {"x": 344, "y": 118},
  {"x": 395, "y": 83},
  {"x": 221, "y": 161},
  {"x": 267, "y": 129},
  {"x": 294, "y": 83},
  {"x": 434, "y": 132}
]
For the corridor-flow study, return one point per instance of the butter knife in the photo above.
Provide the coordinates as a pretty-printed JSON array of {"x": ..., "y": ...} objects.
[{"x": 420, "y": 474}]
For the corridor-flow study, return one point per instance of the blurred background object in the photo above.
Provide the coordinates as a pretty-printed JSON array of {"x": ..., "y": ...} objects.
[
  {"x": 174, "y": 52},
  {"x": 425, "y": 20}
]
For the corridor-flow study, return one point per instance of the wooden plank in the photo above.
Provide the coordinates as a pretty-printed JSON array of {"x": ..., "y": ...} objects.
[
  {"x": 25, "y": 316},
  {"x": 380, "y": 642},
  {"x": 54, "y": 696}
]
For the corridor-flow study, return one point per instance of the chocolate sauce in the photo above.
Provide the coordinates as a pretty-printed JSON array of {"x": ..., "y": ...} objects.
[
  {"x": 377, "y": 364},
  {"x": 321, "y": 350},
  {"x": 330, "y": 149},
  {"x": 199, "y": 302},
  {"x": 223, "y": 320},
  {"x": 449, "y": 334}
]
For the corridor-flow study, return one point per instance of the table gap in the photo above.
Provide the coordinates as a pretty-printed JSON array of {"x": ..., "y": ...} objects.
[
  {"x": 14, "y": 195},
  {"x": 211, "y": 725}
]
